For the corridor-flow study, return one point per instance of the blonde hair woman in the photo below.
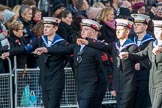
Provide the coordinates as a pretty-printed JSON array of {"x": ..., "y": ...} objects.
[
  {"x": 16, "y": 9},
  {"x": 106, "y": 19},
  {"x": 98, "y": 5}
]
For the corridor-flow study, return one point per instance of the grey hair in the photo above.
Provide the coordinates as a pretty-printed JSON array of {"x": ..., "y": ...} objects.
[{"x": 23, "y": 9}]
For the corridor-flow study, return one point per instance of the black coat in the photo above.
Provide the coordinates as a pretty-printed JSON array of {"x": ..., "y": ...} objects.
[
  {"x": 17, "y": 49},
  {"x": 107, "y": 33},
  {"x": 27, "y": 30},
  {"x": 90, "y": 70},
  {"x": 27, "y": 33},
  {"x": 66, "y": 32}
]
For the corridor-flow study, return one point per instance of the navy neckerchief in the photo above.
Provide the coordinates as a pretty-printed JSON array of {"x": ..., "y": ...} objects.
[
  {"x": 146, "y": 38},
  {"x": 127, "y": 43},
  {"x": 56, "y": 39},
  {"x": 155, "y": 44}
]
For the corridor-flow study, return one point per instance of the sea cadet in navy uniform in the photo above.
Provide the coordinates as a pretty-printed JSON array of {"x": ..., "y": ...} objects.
[
  {"x": 142, "y": 39},
  {"x": 154, "y": 52},
  {"x": 91, "y": 79},
  {"x": 88, "y": 64},
  {"x": 52, "y": 76},
  {"x": 123, "y": 74}
]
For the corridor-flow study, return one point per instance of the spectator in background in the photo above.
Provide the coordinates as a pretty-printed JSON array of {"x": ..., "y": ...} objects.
[
  {"x": 37, "y": 15},
  {"x": 93, "y": 12},
  {"x": 115, "y": 6},
  {"x": 25, "y": 18},
  {"x": 82, "y": 6},
  {"x": 139, "y": 8},
  {"x": 37, "y": 31},
  {"x": 9, "y": 18},
  {"x": 72, "y": 7},
  {"x": 108, "y": 29},
  {"x": 5, "y": 15},
  {"x": 106, "y": 19},
  {"x": 2, "y": 36},
  {"x": 16, "y": 41},
  {"x": 16, "y": 10},
  {"x": 106, "y": 3},
  {"x": 57, "y": 7},
  {"x": 98, "y": 5},
  {"x": 136, "y": 1},
  {"x": 31, "y": 3},
  {"x": 159, "y": 1},
  {"x": 156, "y": 12},
  {"x": 65, "y": 30},
  {"x": 126, "y": 4}
]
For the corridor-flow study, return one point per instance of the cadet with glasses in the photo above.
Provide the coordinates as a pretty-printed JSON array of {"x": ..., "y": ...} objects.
[{"x": 88, "y": 64}]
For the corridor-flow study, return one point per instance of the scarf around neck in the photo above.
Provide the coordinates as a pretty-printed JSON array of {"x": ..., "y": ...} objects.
[{"x": 110, "y": 24}]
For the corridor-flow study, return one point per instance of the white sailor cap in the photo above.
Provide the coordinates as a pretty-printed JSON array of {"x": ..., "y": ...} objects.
[
  {"x": 157, "y": 23},
  {"x": 51, "y": 20},
  {"x": 91, "y": 23},
  {"x": 124, "y": 22},
  {"x": 159, "y": 4},
  {"x": 140, "y": 18}
]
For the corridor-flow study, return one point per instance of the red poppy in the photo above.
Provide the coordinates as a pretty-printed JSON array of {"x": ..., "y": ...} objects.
[
  {"x": 104, "y": 57},
  {"x": 17, "y": 41}
]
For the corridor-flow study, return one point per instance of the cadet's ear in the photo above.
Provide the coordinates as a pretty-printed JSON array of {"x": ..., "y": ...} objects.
[
  {"x": 55, "y": 28},
  {"x": 128, "y": 30},
  {"x": 146, "y": 26}
]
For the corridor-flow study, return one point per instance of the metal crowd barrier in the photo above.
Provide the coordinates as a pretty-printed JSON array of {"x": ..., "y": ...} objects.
[
  {"x": 6, "y": 94},
  {"x": 31, "y": 78}
]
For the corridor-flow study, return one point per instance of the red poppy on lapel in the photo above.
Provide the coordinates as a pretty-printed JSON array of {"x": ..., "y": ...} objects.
[
  {"x": 17, "y": 41},
  {"x": 104, "y": 57}
]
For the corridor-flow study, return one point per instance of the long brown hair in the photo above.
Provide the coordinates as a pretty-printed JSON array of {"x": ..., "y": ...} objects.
[{"x": 38, "y": 28}]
